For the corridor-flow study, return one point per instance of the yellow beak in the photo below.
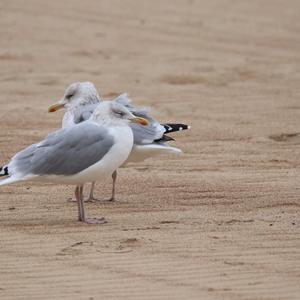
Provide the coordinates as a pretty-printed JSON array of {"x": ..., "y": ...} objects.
[
  {"x": 55, "y": 107},
  {"x": 141, "y": 121}
]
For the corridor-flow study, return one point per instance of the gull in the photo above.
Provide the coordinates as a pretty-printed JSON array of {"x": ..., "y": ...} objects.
[
  {"x": 80, "y": 100},
  {"x": 86, "y": 152}
]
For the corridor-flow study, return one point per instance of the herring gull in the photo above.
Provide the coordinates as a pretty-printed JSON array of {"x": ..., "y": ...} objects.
[
  {"x": 81, "y": 98},
  {"x": 82, "y": 153}
]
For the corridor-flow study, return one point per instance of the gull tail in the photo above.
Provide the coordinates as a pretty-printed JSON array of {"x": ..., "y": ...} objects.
[
  {"x": 164, "y": 139},
  {"x": 8, "y": 180},
  {"x": 172, "y": 127},
  {"x": 142, "y": 152},
  {"x": 5, "y": 172},
  {"x": 11, "y": 176}
]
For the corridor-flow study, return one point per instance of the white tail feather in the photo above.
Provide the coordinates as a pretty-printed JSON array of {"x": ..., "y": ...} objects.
[
  {"x": 142, "y": 152},
  {"x": 9, "y": 180}
]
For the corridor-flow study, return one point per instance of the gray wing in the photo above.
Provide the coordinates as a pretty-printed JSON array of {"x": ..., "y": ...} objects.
[
  {"x": 142, "y": 134},
  {"x": 65, "y": 152},
  {"x": 84, "y": 113}
]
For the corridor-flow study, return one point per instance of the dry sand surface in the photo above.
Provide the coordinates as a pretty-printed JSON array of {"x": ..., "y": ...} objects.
[{"x": 219, "y": 222}]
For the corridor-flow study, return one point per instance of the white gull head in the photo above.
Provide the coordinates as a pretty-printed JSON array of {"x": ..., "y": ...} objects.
[
  {"x": 77, "y": 95},
  {"x": 116, "y": 114}
]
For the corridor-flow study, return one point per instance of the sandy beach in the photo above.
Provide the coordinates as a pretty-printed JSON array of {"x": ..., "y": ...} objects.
[{"x": 221, "y": 221}]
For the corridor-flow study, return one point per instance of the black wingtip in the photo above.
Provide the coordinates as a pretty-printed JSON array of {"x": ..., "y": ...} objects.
[
  {"x": 164, "y": 138},
  {"x": 4, "y": 171},
  {"x": 172, "y": 127}
]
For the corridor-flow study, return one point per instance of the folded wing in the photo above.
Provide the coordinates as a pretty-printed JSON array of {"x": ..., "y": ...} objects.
[{"x": 65, "y": 152}]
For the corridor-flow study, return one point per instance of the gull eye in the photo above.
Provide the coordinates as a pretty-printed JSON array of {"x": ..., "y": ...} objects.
[
  {"x": 69, "y": 96},
  {"x": 119, "y": 113}
]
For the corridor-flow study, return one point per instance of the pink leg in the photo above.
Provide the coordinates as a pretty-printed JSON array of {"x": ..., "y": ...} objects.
[
  {"x": 81, "y": 213},
  {"x": 78, "y": 195},
  {"x": 76, "y": 198},
  {"x": 91, "y": 197},
  {"x": 114, "y": 177}
]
